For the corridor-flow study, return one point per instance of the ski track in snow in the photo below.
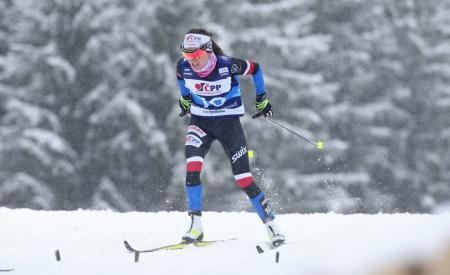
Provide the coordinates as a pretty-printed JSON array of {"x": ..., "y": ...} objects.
[{"x": 91, "y": 242}]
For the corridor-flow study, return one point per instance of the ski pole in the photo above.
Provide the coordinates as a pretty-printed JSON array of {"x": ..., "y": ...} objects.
[{"x": 318, "y": 144}]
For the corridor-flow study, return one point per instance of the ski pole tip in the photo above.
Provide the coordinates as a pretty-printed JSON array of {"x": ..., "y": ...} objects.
[
  {"x": 58, "y": 255},
  {"x": 319, "y": 145}
]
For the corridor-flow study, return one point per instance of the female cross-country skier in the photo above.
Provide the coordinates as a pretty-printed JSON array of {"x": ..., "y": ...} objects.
[{"x": 209, "y": 85}]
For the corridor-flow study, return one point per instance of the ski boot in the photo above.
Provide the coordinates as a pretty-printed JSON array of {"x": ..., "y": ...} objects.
[
  {"x": 275, "y": 235},
  {"x": 195, "y": 231}
]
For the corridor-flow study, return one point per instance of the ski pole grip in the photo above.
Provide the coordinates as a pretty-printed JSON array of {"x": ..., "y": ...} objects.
[
  {"x": 183, "y": 113},
  {"x": 256, "y": 115}
]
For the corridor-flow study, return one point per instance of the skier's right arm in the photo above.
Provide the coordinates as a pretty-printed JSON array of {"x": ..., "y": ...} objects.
[{"x": 185, "y": 99}]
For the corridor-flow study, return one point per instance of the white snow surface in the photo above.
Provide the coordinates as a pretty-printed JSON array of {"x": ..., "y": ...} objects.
[{"x": 91, "y": 242}]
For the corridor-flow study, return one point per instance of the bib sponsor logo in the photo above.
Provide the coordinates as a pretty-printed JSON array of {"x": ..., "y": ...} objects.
[
  {"x": 206, "y": 87},
  {"x": 187, "y": 72},
  {"x": 223, "y": 71},
  {"x": 212, "y": 112},
  {"x": 193, "y": 141},
  {"x": 196, "y": 130},
  {"x": 233, "y": 105},
  {"x": 239, "y": 154},
  {"x": 217, "y": 101}
]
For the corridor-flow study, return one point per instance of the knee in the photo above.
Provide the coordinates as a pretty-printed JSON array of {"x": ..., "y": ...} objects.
[
  {"x": 193, "y": 169},
  {"x": 252, "y": 190},
  {"x": 192, "y": 178},
  {"x": 246, "y": 183}
]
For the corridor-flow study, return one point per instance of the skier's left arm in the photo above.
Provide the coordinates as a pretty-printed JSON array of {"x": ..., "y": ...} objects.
[{"x": 246, "y": 67}]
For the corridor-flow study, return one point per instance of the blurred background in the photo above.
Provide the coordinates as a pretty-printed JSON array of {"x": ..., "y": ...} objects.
[{"x": 89, "y": 104}]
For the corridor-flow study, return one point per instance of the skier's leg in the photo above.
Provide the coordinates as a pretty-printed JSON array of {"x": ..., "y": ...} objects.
[
  {"x": 235, "y": 147},
  {"x": 196, "y": 146}
]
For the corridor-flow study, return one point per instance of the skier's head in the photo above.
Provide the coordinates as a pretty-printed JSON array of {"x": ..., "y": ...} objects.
[{"x": 197, "y": 47}]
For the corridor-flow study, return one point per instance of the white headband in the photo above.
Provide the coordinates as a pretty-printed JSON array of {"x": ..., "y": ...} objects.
[{"x": 195, "y": 40}]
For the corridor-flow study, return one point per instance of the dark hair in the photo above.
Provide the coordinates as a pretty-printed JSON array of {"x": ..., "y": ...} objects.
[{"x": 216, "y": 48}]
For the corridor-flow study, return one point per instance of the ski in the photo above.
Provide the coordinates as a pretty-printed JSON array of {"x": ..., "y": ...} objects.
[
  {"x": 176, "y": 246},
  {"x": 6, "y": 269}
]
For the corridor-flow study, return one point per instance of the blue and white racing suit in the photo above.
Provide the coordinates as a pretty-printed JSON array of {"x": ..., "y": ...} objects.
[{"x": 215, "y": 111}]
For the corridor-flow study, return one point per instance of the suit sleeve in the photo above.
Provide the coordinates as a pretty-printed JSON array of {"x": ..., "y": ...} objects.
[
  {"x": 246, "y": 67},
  {"x": 185, "y": 92}
]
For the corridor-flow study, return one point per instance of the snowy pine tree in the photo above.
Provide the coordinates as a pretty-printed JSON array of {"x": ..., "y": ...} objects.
[{"x": 89, "y": 111}]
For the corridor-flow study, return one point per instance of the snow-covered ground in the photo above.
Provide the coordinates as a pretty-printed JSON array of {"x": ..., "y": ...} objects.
[{"x": 91, "y": 242}]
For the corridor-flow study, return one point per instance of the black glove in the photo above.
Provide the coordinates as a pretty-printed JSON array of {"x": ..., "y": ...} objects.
[
  {"x": 185, "y": 105},
  {"x": 263, "y": 106}
]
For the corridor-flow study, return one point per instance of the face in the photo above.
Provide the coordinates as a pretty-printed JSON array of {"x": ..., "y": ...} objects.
[{"x": 199, "y": 62}]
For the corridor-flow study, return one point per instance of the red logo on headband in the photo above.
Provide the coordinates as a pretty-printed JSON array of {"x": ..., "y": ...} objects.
[{"x": 192, "y": 37}]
